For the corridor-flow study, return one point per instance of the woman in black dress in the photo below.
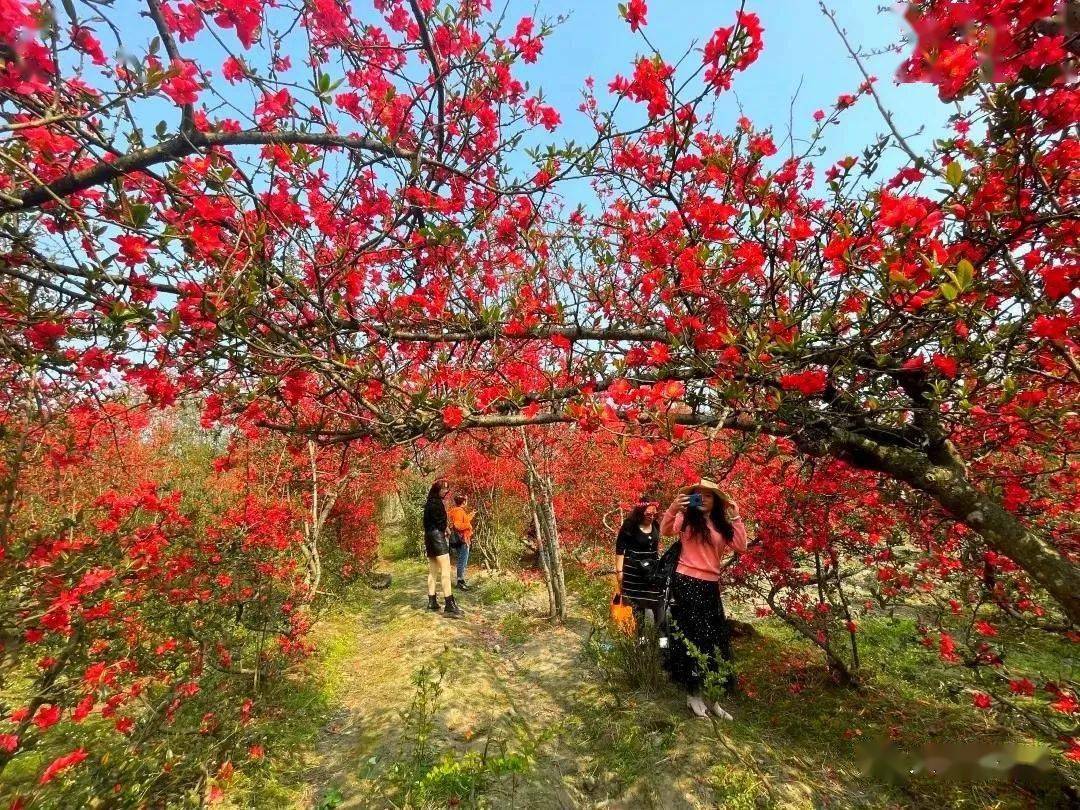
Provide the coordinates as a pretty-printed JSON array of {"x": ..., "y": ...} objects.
[
  {"x": 437, "y": 547},
  {"x": 636, "y": 558}
]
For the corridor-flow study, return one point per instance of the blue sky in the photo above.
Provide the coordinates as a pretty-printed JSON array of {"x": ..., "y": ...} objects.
[{"x": 800, "y": 45}]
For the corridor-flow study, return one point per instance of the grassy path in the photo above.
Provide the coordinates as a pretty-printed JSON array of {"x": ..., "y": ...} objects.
[
  {"x": 504, "y": 682},
  {"x": 530, "y": 715}
]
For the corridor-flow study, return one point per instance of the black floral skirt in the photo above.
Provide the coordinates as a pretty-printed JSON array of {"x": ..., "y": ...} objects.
[{"x": 698, "y": 615}]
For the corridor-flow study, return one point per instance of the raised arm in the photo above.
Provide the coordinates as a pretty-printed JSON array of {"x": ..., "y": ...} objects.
[
  {"x": 738, "y": 536},
  {"x": 672, "y": 521}
]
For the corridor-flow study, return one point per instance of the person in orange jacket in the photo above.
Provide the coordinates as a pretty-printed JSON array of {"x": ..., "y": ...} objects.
[{"x": 461, "y": 526}]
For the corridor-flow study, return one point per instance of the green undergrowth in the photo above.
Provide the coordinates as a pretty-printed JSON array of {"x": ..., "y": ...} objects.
[{"x": 303, "y": 705}]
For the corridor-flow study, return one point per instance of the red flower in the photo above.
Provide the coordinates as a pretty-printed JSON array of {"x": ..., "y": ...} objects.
[
  {"x": 946, "y": 365},
  {"x": 61, "y": 764},
  {"x": 1050, "y": 327},
  {"x": 947, "y": 649},
  {"x": 233, "y": 70},
  {"x": 46, "y": 717},
  {"x": 8, "y": 743},
  {"x": 635, "y": 14},
  {"x": 984, "y": 628},
  {"x": 1073, "y": 751},
  {"x": 1022, "y": 686},
  {"x": 452, "y": 416},
  {"x": 275, "y": 105},
  {"x": 649, "y": 84},
  {"x": 44, "y": 335},
  {"x": 133, "y": 249},
  {"x": 82, "y": 711},
  {"x": 807, "y": 383},
  {"x": 537, "y": 113},
  {"x": 184, "y": 86},
  {"x": 1066, "y": 703},
  {"x": 981, "y": 700},
  {"x": 83, "y": 39}
]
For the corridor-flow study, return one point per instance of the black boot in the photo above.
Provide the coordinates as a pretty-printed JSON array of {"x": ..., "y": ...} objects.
[
  {"x": 463, "y": 585},
  {"x": 451, "y": 607},
  {"x": 432, "y": 603}
]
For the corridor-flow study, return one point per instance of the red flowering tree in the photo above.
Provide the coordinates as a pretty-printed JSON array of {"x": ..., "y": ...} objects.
[{"x": 356, "y": 246}]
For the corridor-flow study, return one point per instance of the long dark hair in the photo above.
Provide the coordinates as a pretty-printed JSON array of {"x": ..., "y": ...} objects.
[
  {"x": 695, "y": 520},
  {"x": 436, "y": 489},
  {"x": 636, "y": 516}
]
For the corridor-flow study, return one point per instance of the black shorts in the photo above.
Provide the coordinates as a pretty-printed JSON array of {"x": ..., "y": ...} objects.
[{"x": 435, "y": 544}]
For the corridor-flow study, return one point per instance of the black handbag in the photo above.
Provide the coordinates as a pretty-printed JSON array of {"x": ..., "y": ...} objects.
[
  {"x": 457, "y": 539},
  {"x": 662, "y": 579}
]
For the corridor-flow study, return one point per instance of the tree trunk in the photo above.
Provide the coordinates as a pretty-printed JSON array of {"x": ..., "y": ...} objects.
[
  {"x": 547, "y": 533},
  {"x": 948, "y": 484},
  {"x": 541, "y": 553},
  {"x": 313, "y": 527}
]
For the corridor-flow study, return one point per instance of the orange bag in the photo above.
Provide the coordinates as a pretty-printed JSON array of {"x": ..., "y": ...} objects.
[{"x": 622, "y": 615}]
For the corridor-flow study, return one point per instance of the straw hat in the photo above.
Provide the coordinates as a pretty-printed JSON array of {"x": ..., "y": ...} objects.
[{"x": 705, "y": 483}]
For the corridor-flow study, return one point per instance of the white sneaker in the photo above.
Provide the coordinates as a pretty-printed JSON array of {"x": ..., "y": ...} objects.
[
  {"x": 720, "y": 713},
  {"x": 697, "y": 705}
]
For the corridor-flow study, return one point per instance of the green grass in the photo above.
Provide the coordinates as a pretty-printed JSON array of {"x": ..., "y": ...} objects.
[
  {"x": 304, "y": 705},
  {"x": 792, "y": 711},
  {"x": 736, "y": 788},
  {"x": 500, "y": 589},
  {"x": 799, "y": 740},
  {"x": 611, "y": 734},
  {"x": 515, "y": 628}
]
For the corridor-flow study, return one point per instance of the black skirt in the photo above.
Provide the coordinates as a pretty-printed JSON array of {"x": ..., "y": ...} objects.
[
  {"x": 698, "y": 614},
  {"x": 435, "y": 544}
]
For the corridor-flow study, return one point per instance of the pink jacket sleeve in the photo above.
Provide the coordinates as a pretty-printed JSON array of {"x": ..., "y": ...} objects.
[
  {"x": 738, "y": 536},
  {"x": 671, "y": 522}
]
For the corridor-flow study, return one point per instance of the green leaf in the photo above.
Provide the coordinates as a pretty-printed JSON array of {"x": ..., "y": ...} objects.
[
  {"x": 949, "y": 291},
  {"x": 69, "y": 7},
  {"x": 140, "y": 214},
  {"x": 954, "y": 174},
  {"x": 965, "y": 274}
]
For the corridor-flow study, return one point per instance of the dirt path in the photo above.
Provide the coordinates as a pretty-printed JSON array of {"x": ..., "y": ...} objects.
[{"x": 510, "y": 682}]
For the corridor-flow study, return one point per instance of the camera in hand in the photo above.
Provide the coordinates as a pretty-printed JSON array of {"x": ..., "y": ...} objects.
[{"x": 695, "y": 501}]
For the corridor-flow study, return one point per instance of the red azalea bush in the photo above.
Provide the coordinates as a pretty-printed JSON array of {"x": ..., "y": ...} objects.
[{"x": 152, "y": 585}]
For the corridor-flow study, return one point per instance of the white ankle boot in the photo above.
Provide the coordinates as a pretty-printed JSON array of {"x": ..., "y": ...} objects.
[
  {"x": 697, "y": 705},
  {"x": 720, "y": 713}
]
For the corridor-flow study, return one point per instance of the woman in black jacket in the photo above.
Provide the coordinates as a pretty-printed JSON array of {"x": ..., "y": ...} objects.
[{"x": 437, "y": 547}]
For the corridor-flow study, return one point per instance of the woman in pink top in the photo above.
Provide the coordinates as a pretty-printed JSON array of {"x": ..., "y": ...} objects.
[{"x": 707, "y": 522}]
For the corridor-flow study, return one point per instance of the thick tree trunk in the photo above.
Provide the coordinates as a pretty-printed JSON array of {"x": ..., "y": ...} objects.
[{"x": 948, "y": 484}]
